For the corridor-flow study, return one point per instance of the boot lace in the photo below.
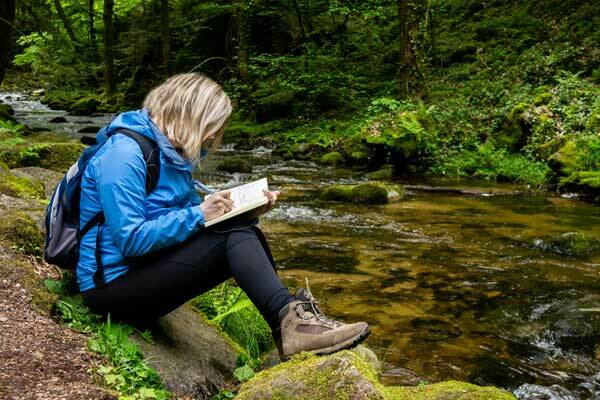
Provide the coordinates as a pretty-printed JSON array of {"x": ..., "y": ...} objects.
[{"x": 313, "y": 308}]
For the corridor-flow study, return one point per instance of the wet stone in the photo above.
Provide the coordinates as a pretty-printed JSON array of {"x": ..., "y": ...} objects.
[{"x": 89, "y": 129}]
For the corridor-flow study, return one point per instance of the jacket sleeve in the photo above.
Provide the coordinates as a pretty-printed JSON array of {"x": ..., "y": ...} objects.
[{"x": 120, "y": 180}]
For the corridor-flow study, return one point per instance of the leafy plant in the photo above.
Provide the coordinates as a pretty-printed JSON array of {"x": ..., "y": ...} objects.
[{"x": 127, "y": 372}]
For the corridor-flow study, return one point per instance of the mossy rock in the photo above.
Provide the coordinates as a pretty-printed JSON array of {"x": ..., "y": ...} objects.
[
  {"x": 574, "y": 244},
  {"x": 366, "y": 193},
  {"x": 85, "y": 106},
  {"x": 301, "y": 150},
  {"x": 333, "y": 158},
  {"x": 234, "y": 164},
  {"x": 59, "y": 99},
  {"x": 515, "y": 130},
  {"x": 49, "y": 178},
  {"x": 355, "y": 151},
  {"x": 344, "y": 375},
  {"x": 349, "y": 375},
  {"x": 20, "y": 186},
  {"x": 19, "y": 232},
  {"x": 565, "y": 159},
  {"x": 450, "y": 390},
  {"x": 385, "y": 172},
  {"x": 275, "y": 106},
  {"x": 6, "y": 113},
  {"x": 55, "y": 156},
  {"x": 583, "y": 181}
]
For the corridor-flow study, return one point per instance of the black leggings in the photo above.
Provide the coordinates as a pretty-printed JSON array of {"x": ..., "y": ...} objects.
[{"x": 160, "y": 282}]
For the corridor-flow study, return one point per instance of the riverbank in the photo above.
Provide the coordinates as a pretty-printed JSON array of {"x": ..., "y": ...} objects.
[{"x": 437, "y": 272}]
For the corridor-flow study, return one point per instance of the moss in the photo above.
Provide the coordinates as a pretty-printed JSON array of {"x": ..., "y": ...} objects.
[
  {"x": 355, "y": 151},
  {"x": 22, "y": 187},
  {"x": 55, "y": 156},
  {"x": 515, "y": 130},
  {"x": 333, "y": 158},
  {"x": 301, "y": 150},
  {"x": 341, "y": 376},
  {"x": 451, "y": 390},
  {"x": 19, "y": 231},
  {"x": 386, "y": 172},
  {"x": 366, "y": 193},
  {"x": 582, "y": 181},
  {"x": 574, "y": 244},
  {"x": 234, "y": 164},
  {"x": 542, "y": 99},
  {"x": 275, "y": 106},
  {"x": 6, "y": 113},
  {"x": 85, "y": 106},
  {"x": 565, "y": 159},
  {"x": 348, "y": 375}
]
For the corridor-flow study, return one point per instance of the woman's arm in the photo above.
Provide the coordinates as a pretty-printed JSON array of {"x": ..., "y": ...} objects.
[{"x": 120, "y": 180}]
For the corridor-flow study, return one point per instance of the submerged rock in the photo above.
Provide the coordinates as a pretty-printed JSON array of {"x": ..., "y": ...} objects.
[
  {"x": 349, "y": 375},
  {"x": 234, "y": 164},
  {"x": 366, "y": 193},
  {"x": 190, "y": 355},
  {"x": 58, "y": 120},
  {"x": 574, "y": 244},
  {"x": 89, "y": 129}
]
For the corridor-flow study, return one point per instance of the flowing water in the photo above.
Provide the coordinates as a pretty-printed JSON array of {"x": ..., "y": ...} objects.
[{"x": 454, "y": 286}]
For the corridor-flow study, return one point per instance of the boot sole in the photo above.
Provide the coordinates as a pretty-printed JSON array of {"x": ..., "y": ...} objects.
[{"x": 348, "y": 344}]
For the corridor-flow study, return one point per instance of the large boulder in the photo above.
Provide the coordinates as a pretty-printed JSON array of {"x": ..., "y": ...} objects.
[
  {"x": 15, "y": 185},
  {"x": 350, "y": 375},
  {"x": 55, "y": 156},
  {"x": 332, "y": 158},
  {"x": 49, "y": 178},
  {"x": 190, "y": 355},
  {"x": 234, "y": 164}
]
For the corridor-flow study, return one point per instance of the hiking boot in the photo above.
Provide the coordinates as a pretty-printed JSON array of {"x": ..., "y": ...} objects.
[{"x": 305, "y": 328}]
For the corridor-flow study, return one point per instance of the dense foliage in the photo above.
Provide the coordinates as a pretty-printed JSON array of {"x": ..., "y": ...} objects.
[{"x": 502, "y": 90}]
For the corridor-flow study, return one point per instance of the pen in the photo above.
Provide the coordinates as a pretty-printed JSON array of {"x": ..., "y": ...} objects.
[{"x": 202, "y": 187}]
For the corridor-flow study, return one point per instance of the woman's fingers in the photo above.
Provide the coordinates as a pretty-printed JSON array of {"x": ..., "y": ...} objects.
[{"x": 272, "y": 196}]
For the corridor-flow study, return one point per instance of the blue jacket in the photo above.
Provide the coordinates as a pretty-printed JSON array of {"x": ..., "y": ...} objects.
[{"x": 114, "y": 182}]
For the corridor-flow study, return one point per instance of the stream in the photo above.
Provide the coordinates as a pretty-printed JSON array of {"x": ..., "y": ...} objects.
[{"x": 454, "y": 286}]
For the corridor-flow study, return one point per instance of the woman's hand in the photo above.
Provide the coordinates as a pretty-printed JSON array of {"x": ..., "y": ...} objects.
[
  {"x": 216, "y": 205},
  {"x": 272, "y": 196}
]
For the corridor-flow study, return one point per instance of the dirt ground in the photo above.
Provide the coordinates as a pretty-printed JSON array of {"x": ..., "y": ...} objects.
[{"x": 39, "y": 359}]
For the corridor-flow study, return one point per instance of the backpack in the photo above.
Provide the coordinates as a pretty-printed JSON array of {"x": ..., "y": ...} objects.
[{"x": 63, "y": 233}]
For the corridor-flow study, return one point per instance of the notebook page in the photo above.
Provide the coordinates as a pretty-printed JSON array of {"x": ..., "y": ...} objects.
[{"x": 249, "y": 193}]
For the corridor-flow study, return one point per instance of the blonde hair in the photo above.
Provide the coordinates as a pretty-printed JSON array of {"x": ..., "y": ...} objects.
[{"x": 188, "y": 108}]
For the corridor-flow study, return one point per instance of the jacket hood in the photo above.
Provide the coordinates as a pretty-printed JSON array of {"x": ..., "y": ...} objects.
[{"x": 141, "y": 122}]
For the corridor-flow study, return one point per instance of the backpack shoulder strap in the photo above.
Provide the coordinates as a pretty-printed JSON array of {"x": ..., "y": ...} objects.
[{"x": 151, "y": 154}]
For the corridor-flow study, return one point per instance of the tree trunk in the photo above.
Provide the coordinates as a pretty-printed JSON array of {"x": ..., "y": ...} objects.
[
  {"x": 91, "y": 29},
  {"x": 242, "y": 48},
  {"x": 408, "y": 72},
  {"x": 299, "y": 17},
  {"x": 109, "y": 62},
  {"x": 164, "y": 35},
  {"x": 7, "y": 20},
  {"x": 65, "y": 21}
]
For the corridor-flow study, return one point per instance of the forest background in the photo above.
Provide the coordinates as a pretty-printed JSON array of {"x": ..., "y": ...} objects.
[{"x": 500, "y": 90}]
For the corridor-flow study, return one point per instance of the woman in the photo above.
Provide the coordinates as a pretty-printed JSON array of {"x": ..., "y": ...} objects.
[{"x": 154, "y": 249}]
